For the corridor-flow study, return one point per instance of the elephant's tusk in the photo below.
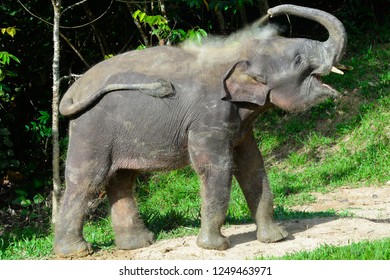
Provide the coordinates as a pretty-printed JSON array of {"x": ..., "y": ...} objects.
[{"x": 337, "y": 71}]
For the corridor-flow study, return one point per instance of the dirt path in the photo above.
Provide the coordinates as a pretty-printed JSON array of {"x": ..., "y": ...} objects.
[{"x": 369, "y": 218}]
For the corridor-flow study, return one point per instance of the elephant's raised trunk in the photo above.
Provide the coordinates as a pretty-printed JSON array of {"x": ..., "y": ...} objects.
[{"x": 337, "y": 41}]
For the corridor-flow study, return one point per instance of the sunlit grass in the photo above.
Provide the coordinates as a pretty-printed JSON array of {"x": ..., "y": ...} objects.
[{"x": 366, "y": 250}]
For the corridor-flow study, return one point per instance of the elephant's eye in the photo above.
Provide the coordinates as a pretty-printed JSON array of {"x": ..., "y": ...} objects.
[{"x": 298, "y": 60}]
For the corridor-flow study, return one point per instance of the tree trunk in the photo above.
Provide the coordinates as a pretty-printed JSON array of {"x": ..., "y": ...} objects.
[{"x": 55, "y": 103}]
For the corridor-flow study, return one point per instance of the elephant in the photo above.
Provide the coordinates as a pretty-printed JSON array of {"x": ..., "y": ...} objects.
[{"x": 166, "y": 107}]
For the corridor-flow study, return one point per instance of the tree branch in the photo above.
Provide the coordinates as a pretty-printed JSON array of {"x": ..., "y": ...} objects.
[
  {"x": 70, "y": 76},
  {"x": 72, "y": 6},
  {"x": 75, "y": 50},
  {"x": 66, "y": 27},
  {"x": 98, "y": 34},
  {"x": 34, "y": 15}
]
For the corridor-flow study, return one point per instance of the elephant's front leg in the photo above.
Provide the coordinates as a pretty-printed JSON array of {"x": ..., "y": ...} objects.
[
  {"x": 211, "y": 157},
  {"x": 250, "y": 174}
]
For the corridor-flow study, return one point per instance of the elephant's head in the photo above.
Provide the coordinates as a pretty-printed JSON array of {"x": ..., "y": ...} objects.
[{"x": 287, "y": 71}]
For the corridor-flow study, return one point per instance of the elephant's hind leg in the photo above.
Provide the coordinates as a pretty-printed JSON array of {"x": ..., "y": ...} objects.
[
  {"x": 130, "y": 231},
  {"x": 69, "y": 240}
]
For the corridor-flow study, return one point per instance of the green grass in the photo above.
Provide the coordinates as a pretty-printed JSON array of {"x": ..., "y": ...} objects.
[
  {"x": 28, "y": 248},
  {"x": 337, "y": 143},
  {"x": 100, "y": 234},
  {"x": 25, "y": 243},
  {"x": 366, "y": 250},
  {"x": 31, "y": 243}
]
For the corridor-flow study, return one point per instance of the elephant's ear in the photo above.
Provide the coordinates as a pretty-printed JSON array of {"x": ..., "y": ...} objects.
[{"x": 240, "y": 85}]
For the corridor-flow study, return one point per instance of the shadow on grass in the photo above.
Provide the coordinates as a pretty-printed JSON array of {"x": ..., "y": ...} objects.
[
  {"x": 294, "y": 226},
  {"x": 103, "y": 245},
  {"x": 173, "y": 220},
  {"x": 283, "y": 214}
]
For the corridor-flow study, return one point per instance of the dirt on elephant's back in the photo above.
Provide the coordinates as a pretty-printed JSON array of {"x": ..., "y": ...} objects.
[{"x": 365, "y": 215}]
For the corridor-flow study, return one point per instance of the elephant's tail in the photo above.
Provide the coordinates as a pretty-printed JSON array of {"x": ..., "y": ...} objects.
[{"x": 159, "y": 89}]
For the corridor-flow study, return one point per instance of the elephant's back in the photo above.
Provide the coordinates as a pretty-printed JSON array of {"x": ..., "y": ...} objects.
[{"x": 140, "y": 66}]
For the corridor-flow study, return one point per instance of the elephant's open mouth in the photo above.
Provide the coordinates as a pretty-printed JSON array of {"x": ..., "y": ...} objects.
[
  {"x": 321, "y": 82},
  {"x": 327, "y": 88},
  {"x": 314, "y": 90}
]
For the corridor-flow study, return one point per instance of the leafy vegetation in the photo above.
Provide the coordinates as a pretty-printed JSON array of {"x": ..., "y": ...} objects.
[
  {"x": 166, "y": 35},
  {"x": 7, "y": 159},
  {"x": 339, "y": 142}
]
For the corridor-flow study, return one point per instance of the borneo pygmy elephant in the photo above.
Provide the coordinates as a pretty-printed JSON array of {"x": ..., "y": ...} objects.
[{"x": 166, "y": 107}]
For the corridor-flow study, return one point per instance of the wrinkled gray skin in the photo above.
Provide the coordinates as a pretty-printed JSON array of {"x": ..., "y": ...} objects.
[{"x": 163, "y": 108}]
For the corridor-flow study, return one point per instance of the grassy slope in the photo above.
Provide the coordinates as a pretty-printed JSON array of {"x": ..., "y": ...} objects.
[{"x": 343, "y": 142}]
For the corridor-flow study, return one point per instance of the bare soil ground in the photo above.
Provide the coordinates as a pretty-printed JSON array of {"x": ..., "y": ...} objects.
[{"x": 368, "y": 218}]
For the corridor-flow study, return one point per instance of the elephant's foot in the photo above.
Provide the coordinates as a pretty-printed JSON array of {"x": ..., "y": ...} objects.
[
  {"x": 269, "y": 232},
  {"x": 74, "y": 249},
  {"x": 134, "y": 239},
  {"x": 212, "y": 241}
]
